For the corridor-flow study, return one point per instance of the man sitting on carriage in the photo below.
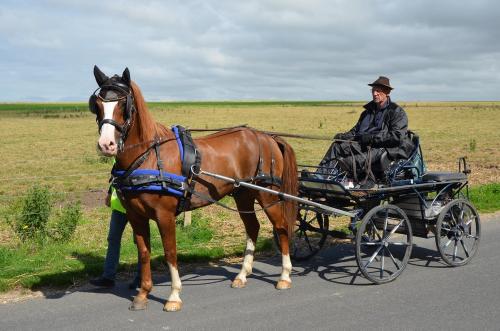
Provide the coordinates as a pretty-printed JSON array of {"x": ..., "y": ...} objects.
[{"x": 379, "y": 137}]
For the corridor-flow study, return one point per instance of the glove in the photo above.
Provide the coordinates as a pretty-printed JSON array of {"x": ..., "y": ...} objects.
[
  {"x": 366, "y": 139},
  {"x": 341, "y": 136}
]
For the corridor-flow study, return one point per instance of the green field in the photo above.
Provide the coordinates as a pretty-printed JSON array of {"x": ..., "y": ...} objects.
[{"x": 54, "y": 144}]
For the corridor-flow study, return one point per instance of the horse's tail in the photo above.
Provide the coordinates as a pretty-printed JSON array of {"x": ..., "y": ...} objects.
[{"x": 289, "y": 183}]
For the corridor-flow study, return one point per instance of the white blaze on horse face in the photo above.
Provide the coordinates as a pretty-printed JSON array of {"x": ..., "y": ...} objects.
[{"x": 107, "y": 140}]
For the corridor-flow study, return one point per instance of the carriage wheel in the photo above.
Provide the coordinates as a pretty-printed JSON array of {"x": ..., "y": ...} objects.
[
  {"x": 458, "y": 231},
  {"x": 309, "y": 236},
  {"x": 383, "y": 243}
]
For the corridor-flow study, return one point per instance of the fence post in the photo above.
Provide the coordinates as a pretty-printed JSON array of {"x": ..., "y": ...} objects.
[{"x": 187, "y": 218}]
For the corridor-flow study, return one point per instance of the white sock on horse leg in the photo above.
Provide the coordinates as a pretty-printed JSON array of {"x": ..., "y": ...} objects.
[
  {"x": 246, "y": 268},
  {"x": 176, "y": 284}
]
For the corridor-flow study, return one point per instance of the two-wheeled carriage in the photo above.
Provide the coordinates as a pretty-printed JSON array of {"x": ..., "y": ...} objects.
[{"x": 384, "y": 219}]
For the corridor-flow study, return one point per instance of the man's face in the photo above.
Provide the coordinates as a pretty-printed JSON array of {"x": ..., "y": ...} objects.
[{"x": 379, "y": 95}]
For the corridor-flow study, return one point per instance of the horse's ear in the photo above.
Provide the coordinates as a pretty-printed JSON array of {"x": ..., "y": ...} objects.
[
  {"x": 100, "y": 77},
  {"x": 126, "y": 76}
]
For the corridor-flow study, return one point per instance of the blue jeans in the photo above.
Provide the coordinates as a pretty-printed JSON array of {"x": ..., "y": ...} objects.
[{"x": 117, "y": 225}]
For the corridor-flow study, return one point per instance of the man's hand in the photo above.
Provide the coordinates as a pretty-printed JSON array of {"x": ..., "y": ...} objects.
[
  {"x": 340, "y": 136},
  {"x": 366, "y": 139},
  {"x": 107, "y": 200}
]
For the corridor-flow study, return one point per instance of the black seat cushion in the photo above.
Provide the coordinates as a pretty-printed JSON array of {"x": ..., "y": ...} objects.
[{"x": 444, "y": 176}]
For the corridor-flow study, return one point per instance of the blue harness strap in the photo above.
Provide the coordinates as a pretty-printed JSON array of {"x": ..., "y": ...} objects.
[
  {"x": 175, "y": 129},
  {"x": 151, "y": 181}
]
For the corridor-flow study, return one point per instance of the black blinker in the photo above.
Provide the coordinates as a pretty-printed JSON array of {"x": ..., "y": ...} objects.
[{"x": 93, "y": 104}]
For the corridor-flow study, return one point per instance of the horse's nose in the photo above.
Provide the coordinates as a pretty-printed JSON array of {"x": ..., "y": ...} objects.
[{"x": 107, "y": 146}]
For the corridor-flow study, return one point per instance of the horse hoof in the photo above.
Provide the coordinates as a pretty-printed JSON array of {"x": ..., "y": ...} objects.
[
  {"x": 283, "y": 285},
  {"x": 173, "y": 306},
  {"x": 138, "y": 304},
  {"x": 238, "y": 283}
]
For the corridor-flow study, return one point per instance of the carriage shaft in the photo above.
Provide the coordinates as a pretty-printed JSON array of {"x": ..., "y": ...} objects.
[{"x": 285, "y": 196}]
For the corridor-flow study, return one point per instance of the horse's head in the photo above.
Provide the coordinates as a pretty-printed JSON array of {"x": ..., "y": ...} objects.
[{"x": 113, "y": 104}]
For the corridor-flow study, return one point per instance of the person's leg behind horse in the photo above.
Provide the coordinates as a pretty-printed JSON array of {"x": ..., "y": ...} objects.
[
  {"x": 136, "y": 282},
  {"x": 117, "y": 224}
]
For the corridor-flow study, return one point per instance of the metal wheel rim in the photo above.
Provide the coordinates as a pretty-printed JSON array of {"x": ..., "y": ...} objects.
[
  {"x": 310, "y": 235},
  {"x": 382, "y": 253},
  {"x": 458, "y": 232}
]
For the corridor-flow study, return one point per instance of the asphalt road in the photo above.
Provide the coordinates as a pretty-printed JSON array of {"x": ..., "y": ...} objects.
[{"x": 327, "y": 293}]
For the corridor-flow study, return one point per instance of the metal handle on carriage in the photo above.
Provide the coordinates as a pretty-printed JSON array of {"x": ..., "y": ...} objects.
[{"x": 278, "y": 193}]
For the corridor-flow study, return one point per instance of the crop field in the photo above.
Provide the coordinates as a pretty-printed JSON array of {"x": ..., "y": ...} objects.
[{"x": 55, "y": 145}]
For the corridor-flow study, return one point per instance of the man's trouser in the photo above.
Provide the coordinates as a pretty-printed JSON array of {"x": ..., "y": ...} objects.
[{"x": 353, "y": 158}]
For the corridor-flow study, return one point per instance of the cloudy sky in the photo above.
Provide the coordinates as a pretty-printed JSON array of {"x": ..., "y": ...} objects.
[{"x": 252, "y": 50}]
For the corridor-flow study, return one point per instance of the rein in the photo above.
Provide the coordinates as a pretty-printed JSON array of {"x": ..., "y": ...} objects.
[
  {"x": 273, "y": 133},
  {"x": 152, "y": 141}
]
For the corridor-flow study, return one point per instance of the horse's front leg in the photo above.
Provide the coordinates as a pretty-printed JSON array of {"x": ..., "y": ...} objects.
[
  {"x": 166, "y": 225},
  {"x": 142, "y": 236}
]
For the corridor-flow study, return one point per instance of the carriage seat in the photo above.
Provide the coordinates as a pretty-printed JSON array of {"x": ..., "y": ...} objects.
[{"x": 439, "y": 176}]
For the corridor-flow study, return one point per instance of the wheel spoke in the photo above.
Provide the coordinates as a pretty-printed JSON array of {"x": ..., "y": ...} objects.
[
  {"x": 312, "y": 221},
  {"x": 382, "y": 262},
  {"x": 464, "y": 247},
  {"x": 462, "y": 211},
  {"x": 470, "y": 221},
  {"x": 392, "y": 258},
  {"x": 455, "y": 250},
  {"x": 306, "y": 237},
  {"x": 446, "y": 245},
  {"x": 385, "y": 221},
  {"x": 372, "y": 257},
  {"x": 375, "y": 230},
  {"x": 399, "y": 243},
  {"x": 471, "y": 236},
  {"x": 453, "y": 219},
  {"x": 394, "y": 230},
  {"x": 371, "y": 243}
]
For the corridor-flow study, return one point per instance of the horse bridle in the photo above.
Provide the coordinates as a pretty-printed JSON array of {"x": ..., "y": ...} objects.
[{"x": 126, "y": 93}]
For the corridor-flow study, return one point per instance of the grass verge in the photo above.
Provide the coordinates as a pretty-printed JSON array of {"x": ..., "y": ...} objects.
[
  {"x": 32, "y": 265},
  {"x": 486, "y": 198},
  {"x": 35, "y": 264}
]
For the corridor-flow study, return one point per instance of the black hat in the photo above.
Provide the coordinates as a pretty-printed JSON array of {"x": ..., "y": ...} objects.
[{"x": 382, "y": 81}]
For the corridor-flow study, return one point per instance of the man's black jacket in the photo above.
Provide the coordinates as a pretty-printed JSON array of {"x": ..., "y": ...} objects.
[{"x": 391, "y": 133}]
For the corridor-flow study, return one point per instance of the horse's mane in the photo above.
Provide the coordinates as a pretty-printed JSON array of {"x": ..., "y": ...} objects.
[{"x": 147, "y": 127}]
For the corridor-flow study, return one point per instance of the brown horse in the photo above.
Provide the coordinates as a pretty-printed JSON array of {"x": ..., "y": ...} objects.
[{"x": 128, "y": 132}]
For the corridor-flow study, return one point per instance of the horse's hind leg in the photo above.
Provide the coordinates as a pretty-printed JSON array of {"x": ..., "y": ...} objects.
[
  {"x": 245, "y": 203},
  {"x": 276, "y": 215}
]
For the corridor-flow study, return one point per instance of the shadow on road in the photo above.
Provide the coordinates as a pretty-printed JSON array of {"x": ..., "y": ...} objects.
[{"x": 336, "y": 264}]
